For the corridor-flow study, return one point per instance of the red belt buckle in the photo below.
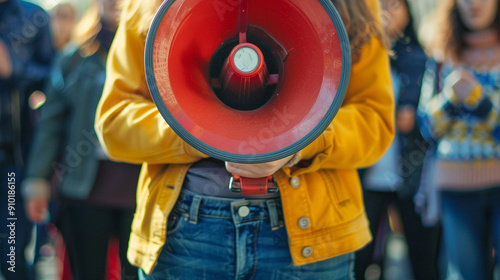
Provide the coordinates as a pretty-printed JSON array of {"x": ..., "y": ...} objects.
[{"x": 251, "y": 186}]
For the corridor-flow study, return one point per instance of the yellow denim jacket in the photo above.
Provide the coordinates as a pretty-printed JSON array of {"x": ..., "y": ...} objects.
[{"x": 327, "y": 191}]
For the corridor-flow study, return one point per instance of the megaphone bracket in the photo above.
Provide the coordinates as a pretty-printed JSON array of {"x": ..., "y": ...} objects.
[{"x": 250, "y": 186}]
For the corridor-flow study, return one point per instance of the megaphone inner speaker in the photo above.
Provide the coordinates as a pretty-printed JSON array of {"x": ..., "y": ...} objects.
[
  {"x": 306, "y": 54},
  {"x": 273, "y": 55}
]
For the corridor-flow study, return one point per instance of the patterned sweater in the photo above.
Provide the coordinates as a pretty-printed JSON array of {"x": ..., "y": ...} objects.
[{"x": 466, "y": 135}]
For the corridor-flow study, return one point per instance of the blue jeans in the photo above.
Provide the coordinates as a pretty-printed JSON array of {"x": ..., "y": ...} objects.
[
  {"x": 217, "y": 238},
  {"x": 470, "y": 219}
]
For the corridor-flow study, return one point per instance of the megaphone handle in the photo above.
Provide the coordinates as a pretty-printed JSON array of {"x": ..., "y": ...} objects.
[
  {"x": 251, "y": 186},
  {"x": 243, "y": 21}
]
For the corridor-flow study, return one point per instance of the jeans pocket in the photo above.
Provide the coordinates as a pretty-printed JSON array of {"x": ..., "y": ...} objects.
[{"x": 174, "y": 221}]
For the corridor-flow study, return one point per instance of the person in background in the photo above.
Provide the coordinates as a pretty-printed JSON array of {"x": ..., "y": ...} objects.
[
  {"x": 459, "y": 114},
  {"x": 395, "y": 178},
  {"x": 26, "y": 53},
  {"x": 189, "y": 226},
  {"x": 97, "y": 195},
  {"x": 63, "y": 19}
]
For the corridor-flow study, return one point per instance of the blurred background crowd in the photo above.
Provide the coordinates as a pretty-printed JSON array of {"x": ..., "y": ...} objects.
[{"x": 78, "y": 205}]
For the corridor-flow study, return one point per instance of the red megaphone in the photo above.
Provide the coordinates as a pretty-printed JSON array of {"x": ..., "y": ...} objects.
[{"x": 248, "y": 81}]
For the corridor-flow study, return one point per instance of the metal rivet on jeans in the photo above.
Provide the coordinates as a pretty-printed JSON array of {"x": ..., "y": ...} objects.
[
  {"x": 243, "y": 211},
  {"x": 295, "y": 182},
  {"x": 304, "y": 222},
  {"x": 307, "y": 252}
]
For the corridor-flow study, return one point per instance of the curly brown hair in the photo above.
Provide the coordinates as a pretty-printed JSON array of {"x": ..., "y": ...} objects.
[
  {"x": 360, "y": 23},
  {"x": 449, "y": 38},
  {"x": 86, "y": 30}
]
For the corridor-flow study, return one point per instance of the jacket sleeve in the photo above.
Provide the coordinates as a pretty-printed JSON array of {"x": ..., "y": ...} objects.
[
  {"x": 435, "y": 111},
  {"x": 364, "y": 126},
  {"x": 128, "y": 124}
]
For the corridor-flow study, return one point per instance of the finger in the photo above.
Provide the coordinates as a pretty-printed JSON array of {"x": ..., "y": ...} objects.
[
  {"x": 41, "y": 215},
  {"x": 35, "y": 217},
  {"x": 37, "y": 211},
  {"x": 244, "y": 170}
]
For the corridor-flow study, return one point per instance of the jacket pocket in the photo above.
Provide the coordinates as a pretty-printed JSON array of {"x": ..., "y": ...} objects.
[{"x": 338, "y": 194}]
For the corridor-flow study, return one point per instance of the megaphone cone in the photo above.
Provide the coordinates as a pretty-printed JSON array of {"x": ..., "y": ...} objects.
[{"x": 248, "y": 81}]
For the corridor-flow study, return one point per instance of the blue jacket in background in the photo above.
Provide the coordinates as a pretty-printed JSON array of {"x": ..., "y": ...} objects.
[
  {"x": 25, "y": 32},
  {"x": 398, "y": 170}
]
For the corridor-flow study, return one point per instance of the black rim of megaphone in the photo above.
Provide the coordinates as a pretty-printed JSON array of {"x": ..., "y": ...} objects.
[{"x": 251, "y": 158}]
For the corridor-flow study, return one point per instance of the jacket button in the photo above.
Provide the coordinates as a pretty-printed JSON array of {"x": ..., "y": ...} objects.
[
  {"x": 243, "y": 211},
  {"x": 304, "y": 223},
  {"x": 307, "y": 252},
  {"x": 295, "y": 182}
]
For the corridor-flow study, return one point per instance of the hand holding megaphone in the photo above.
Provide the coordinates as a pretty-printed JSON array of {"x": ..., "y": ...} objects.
[{"x": 257, "y": 170}]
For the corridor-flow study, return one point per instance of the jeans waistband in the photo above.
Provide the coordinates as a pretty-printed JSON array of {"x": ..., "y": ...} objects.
[{"x": 239, "y": 210}]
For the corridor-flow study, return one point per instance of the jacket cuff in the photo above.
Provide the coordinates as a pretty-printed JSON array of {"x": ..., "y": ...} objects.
[
  {"x": 470, "y": 102},
  {"x": 311, "y": 150},
  {"x": 293, "y": 161},
  {"x": 35, "y": 188},
  {"x": 191, "y": 151}
]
